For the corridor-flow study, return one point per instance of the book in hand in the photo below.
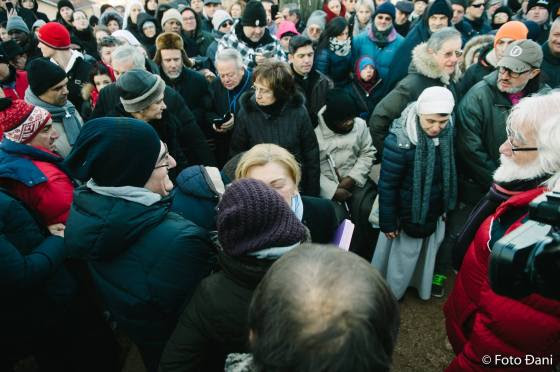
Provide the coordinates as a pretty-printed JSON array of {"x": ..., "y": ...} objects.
[{"x": 343, "y": 235}]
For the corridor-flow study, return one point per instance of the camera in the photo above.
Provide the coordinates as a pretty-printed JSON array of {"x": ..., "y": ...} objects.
[
  {"x": 527, "y": 260},
  {"x": 218, "y": 122}
]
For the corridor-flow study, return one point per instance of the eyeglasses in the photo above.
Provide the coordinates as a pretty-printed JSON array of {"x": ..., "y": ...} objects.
[
  {"x": 165, "y": 157},
  {"x": 502, "y": 70},
  {"x": 514, "y": 149},
  {"x": 382, "y": 18},
  {"x": 189, "y": 18},
  {"x": 477, "y": 5},
  {"x": 458, "y": 53}
]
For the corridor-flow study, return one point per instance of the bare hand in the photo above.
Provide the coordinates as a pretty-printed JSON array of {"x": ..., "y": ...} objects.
[
  {"x": 225, "y": 127},
  {"x": 347, "y": 183},
  {"x": 279, "y": 18},
  {"x": 342, "y": 195},
  {"x": 57, "y": 229},
  {"x": 12, "y": 12},
  {"x": 259, "y": 58},
  {"x": 392, "y": 235}
]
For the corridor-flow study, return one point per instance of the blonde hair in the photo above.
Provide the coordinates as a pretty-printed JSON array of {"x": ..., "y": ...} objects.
[{"x": 265, "y": 153}]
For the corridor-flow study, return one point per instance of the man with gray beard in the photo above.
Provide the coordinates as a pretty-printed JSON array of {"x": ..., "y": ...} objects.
[
  {"x": 482, "y": 115},
  {"x": 481, "y": 324}
]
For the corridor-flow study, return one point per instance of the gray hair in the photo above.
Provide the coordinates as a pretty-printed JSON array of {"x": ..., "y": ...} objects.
[
  {"x": 438, "y": 38},
  {"x": 541, "y": 113},
  {"x": 368, "y": 3},
  {"x": 230, "y": 54},
  {"x": 129, "y": 53}
]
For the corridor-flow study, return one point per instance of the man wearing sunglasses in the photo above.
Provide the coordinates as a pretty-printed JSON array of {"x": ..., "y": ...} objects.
[
  {"x": 483, "y": 111},
  {"x": 473, "y": 16}
]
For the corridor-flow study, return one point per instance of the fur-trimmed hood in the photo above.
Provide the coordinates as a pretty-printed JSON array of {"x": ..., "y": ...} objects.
[
  {"x": 248, "y": 102},
  {"x": 424, "y": 64},
  {"x": 474, "y": 45}
]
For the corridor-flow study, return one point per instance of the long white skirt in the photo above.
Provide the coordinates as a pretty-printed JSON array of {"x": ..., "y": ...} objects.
[{"x": 408, "y": 262}]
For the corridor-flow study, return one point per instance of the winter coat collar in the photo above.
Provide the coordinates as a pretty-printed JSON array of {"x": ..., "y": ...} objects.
[
  {"x": 102, "y": 227},
  {"x": 249, "y": 103},
  {"x": 424, "y": 64},
  {"x": 246, "y": 271},
  {"x": 265, "y": 40},
  {"x": 16, "y": 162}
]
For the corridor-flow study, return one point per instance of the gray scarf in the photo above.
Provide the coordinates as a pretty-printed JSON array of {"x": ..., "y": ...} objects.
[
  {"x": 65, "y": 114},
  {"x": 424, "y": 164}
]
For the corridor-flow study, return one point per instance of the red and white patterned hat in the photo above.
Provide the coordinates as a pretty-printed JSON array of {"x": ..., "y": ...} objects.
[{"x": 21, "y": 122}]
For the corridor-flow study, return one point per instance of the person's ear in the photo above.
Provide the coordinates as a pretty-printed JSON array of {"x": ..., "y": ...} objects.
[{"x": 534, "y": 72}]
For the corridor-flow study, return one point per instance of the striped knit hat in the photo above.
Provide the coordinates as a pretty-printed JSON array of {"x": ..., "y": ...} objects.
[{"x": 20, "y": 121}]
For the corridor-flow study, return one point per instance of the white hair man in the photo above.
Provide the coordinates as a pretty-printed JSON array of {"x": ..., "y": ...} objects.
[{"x": 529, "y": 158}]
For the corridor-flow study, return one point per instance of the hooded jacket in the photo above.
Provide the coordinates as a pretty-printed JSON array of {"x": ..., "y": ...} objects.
[
  {"x": 423, "y": 73},
  {"x": 35, "y": 175},
  {"x": 291, "y": 129},
  {"x": 145, "y": 262},
  {"x": 365, "y": 45},
  {"x": 149, "y": 43}
]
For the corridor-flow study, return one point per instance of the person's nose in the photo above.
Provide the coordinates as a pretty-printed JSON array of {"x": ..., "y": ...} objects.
[
  {"x": 505, "y": 149},
  {"x": 172, "y": 163},
  {"x": 54, "y": 134}
]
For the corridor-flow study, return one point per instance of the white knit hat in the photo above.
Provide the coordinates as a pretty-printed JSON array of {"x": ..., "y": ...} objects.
[
  {"x": 436, "y": 100},
  {"x": 171, "y": 14}
]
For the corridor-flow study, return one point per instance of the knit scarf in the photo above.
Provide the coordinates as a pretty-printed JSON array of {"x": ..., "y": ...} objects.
[
  {"x": 66, "y": 114},
  {"x": 340, "y": 48},
  {"x": 381, "y": 38},
  {"x": 424, "y": 167}
]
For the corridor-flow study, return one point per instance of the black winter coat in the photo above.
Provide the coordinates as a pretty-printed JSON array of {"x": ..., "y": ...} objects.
[
  {"x": 214, "y": 323},
  {"x": 192, "y": 139},
  {"x": 291, "y": 129},
  {"x": 77, "y": 77},
  {"x": 145, "y": 263},
  {"x": 193, "y": 87},
  {"x": 314, "y": 88}
]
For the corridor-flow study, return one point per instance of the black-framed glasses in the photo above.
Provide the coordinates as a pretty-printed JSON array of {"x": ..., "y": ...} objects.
[
  {"x": 515, "y": 149},
  {"x": 502, "y": 70},
  {"x": 477, "y": 5},
  {"x": 164, "y": 156}
]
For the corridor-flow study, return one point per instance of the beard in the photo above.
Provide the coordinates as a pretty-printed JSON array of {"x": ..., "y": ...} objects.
[
  {"x": 173, "y": 75},
  {"x": 509, "y": 171},
  {"x": 513, "y": 90}
]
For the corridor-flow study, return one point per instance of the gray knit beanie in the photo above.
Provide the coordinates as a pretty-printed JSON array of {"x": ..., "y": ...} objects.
[
  {"x": 16, "y": 23},
  {"x": 319, "y": 18},
  {"x": 138, "y": 89}
]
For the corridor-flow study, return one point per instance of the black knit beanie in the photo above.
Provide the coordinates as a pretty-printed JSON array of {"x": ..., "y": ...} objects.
[
  {"x": 252, "y": 217},
  {"x": 9, "y": 50},
  {"x": 254, "y": 14},
  {"x": 340, "y": 107},
  {"x": 114, "y": 152},
  {"x": 440, "y": 7},
  {"x": 42, "y": 74},
  {"x": 138, "y": 89},
  {"x": 63, "y": 3}
]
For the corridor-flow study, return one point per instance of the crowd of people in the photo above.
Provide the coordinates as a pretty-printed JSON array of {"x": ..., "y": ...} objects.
[{"x": 176, "y": 173}]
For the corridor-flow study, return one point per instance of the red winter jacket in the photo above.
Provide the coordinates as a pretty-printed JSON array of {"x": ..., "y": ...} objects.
[
  {"x": 20, "y": 87},
  {"x": 51, "y": 199},
  {"x": 481, "y": 323}
]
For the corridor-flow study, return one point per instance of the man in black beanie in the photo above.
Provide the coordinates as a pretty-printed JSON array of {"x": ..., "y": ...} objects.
[
  {"x": 458, "y": 20},
  {"x": 251, "y": 37},
  {"x": 120, "y": 223},
  {"x": 538, "y": 12},
  {"x": 48, "y": 89}
]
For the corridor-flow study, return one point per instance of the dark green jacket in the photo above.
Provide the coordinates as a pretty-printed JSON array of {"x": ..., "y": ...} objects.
[
  {"x": 481, "y": 129},
  {"x": 550, "y": 67},
  {"x": 145, "y": 262}
]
